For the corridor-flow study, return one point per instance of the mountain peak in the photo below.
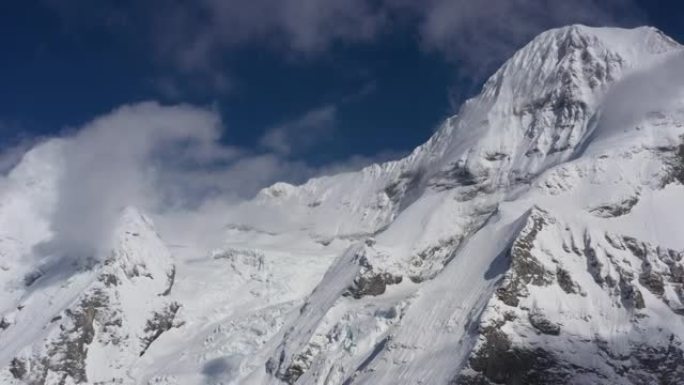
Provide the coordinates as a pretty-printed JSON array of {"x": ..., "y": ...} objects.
[
  {"x": 536, "y": 110},
  {"x": 498, "y": 252},
  {"x": 623, "y": 41},
  {"x": 575, "y": 58},
  {"x": 136, "y": 246},
  {"x": 534, "y": 113}
]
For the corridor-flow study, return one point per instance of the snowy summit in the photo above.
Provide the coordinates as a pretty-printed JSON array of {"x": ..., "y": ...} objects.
[{"x": 534, "y": 239}]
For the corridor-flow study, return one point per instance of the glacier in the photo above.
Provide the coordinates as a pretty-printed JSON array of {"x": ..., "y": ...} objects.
[{"x": 535, "y": 238}]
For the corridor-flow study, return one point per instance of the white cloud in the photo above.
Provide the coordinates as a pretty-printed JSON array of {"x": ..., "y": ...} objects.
[
  {"x": 300, "y": 134},
  {"x": 170, "y": 162},
  {"x": 198, "y": 35},
  {"x": 112, "y": 162},
  {"x": 304, "y": 26},
  {"x": 472, "y": 32},
  {"x": 170, "y": 158},
  {"x": 12, "y": 153},
  {"x": 479, "y": 35}
]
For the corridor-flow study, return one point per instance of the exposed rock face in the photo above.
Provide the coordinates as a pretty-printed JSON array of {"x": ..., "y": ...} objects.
[
  {"x": 674, "y": 157},
  {"x": 499, "y": 362},
  {"x": 159, "y": 323},
  {"x": 539, "y": 322},
  {"x": 565, "y": 281},
  {"x": 105, "y": 317},
  {"x": 18, "y": 369},
  {"x": 531, "y": 240},
  {"x": 67, "y": 355},
  {"x": 566, "y": 296},
  {"x": 506, "y": 354},
  {"x": 525, "y": 268},
  {"x": 370, "y": 282},
  {"x": 616, "y": 209}
]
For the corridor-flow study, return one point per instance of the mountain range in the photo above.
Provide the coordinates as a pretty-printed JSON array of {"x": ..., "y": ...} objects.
[{"x": 535, "y": 238}]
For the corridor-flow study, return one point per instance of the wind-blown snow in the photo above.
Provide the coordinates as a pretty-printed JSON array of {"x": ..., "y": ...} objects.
[{"x": 534, "y": 238}]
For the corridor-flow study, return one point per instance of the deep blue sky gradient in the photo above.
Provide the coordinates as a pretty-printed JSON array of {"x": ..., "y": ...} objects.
[{"x": 390, "y": 93}]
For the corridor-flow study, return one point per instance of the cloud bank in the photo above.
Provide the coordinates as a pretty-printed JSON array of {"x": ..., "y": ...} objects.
[
  {"x": 197, "y": 36},
  {"x": 173, "y": 159},
  {"x": 299, "y": 135},
  {"x": 111, "y": 163},
  {"x": 171, "y": 162}
]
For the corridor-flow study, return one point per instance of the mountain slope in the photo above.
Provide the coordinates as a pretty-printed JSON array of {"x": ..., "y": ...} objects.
[
  {"x": 533, "y": 239},
  {"x": 469, "y": 193},
  {"x": 93, "y": 315}
]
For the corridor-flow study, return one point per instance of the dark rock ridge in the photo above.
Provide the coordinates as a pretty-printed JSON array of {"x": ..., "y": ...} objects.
[{"x": 502, "y": 357}]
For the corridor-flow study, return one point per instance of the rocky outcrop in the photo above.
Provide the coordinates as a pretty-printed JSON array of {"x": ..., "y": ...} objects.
[
  {"x": 618, "y": 209},
  {"x": 372, "y": 284},
  {"x": 674, "y": 158},
  {"x": 498, "y": 361},
  {"x": 160, "y": 322},
  {"x": 525, "y": 268},
  {"x": 123, "y": 309},
  {"x": 620, "y": 268}
]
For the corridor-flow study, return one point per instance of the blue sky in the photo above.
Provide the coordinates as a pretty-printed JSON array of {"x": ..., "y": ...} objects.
[{"x": 336, "y": 79}]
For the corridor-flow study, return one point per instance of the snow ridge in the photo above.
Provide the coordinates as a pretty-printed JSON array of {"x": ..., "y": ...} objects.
[{"x": 517, "y": 245}]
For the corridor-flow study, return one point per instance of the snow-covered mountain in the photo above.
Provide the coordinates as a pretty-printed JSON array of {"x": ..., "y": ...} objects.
[{"x": 534, "y": 239}]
